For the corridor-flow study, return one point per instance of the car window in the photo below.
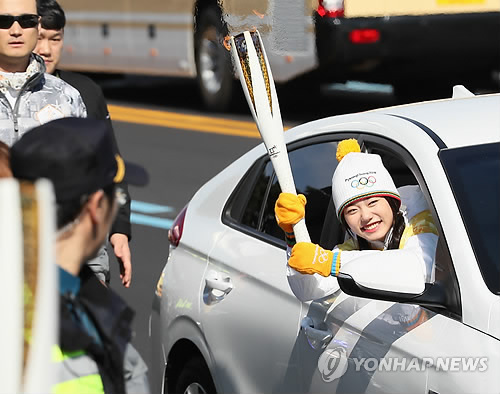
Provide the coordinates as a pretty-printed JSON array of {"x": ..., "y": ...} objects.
[
  {"x": 474, "y": 175},
  {"x": 253, "y": 211},
  {"x": 251, "y": 207},
  {"x": 312, "y": 168},
  {"x": 399, "y": 171},
  {"x": 404, "y": 170}
]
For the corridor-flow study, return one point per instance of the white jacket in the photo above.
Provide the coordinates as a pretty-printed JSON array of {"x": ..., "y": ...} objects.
[
  {"x": 42, "y": 98},
  {"x": 422, "y": 245}
]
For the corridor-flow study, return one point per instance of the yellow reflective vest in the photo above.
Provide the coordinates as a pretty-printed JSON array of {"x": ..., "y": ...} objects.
[{"x": 76, "y": 373}]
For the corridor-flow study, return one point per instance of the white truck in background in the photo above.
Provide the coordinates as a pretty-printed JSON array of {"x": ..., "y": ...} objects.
[{"x": 409, "y": 44}]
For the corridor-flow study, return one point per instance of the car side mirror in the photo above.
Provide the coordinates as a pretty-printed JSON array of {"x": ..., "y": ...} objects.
[{"x": 396, "y": 277}]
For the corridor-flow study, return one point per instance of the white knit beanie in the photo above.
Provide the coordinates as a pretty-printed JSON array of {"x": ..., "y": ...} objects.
[{"x": 359, "y": 175}]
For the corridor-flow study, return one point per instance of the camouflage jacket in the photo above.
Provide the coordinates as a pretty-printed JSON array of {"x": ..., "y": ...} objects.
[{"x": 42, "y": 98}]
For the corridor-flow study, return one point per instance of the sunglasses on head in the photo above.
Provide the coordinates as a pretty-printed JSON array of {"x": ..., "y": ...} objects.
[{"x": 25, "y": 21}]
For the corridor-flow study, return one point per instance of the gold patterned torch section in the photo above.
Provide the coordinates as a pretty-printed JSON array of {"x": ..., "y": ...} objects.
[
  {"x": 29, "y": 207},
  {"x": 263, "y": 66},
  {"x": 242, "y": 50}
]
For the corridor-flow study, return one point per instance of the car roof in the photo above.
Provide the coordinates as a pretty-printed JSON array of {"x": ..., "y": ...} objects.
[{"x": 457, "y": 122}]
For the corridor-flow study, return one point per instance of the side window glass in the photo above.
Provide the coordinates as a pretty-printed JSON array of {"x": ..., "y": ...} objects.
[
  {"x": 252, "y": 204},
  {"x": 312, "y": 168},
  {"x": 252, "y": 213}
]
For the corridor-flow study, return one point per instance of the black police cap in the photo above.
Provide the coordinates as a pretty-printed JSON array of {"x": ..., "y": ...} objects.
[{"x": 78, "y": 155}]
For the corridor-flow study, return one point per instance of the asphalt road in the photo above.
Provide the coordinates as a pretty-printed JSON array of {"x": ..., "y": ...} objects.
[{"x": 181, "y": 154}]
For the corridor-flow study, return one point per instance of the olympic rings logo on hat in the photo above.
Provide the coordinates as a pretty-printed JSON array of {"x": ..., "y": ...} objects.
[{"x": 363, "y": 182}]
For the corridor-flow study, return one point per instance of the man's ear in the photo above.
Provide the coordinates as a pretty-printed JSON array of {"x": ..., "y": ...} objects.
[{"x": 95, "y": 206}]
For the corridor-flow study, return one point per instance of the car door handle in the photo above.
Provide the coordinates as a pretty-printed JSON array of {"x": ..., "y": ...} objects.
[
  {"x": 318, "y": 339},
  {"x": 220, "y": 284},
  {"x": 217, "y": 286}
]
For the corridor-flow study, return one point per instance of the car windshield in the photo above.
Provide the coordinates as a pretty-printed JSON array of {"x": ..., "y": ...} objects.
[{"x": 474, "y": 175}]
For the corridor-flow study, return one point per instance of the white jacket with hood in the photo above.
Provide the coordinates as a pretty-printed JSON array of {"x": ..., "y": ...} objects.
[
  {"x": 421, "y": 244},
  {"x": 42, "y": 98}
]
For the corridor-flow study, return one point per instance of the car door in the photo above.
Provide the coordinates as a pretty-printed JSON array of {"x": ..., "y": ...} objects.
[
  {"x": 358, "y": 345},
  {"x": 368, "y": 346},
  {"x": 250, "y": 317}
]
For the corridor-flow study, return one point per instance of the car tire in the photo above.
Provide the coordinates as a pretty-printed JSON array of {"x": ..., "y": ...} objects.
[
  {"x": 214, "y": 69},
  {"x": 195, "y": 378}
]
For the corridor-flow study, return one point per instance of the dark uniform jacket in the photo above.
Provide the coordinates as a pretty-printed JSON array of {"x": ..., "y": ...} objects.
[
  {"x": 111, "y": 317},
  {"x": 97, "y": 108}
]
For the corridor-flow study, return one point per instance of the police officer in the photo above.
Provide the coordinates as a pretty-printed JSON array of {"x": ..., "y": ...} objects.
[{"x": 79, "y": 157}]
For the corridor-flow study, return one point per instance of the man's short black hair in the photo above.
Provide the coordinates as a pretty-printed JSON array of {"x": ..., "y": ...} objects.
[
  {"x": 68, "y": 211},
  {"x": 52, "y": 14}
]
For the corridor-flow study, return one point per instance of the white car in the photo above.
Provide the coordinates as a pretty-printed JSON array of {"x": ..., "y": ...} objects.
[{"x": 225, "y": 320}]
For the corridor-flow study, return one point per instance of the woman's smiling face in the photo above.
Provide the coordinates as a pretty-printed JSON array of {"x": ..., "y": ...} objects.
[{"x": 370, "y": 218}]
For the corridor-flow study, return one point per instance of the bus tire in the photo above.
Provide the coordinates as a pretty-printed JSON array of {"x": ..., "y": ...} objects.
[{"x": 213, "y": 61}]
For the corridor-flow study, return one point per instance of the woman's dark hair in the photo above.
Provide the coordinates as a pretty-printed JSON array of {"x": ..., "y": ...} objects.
[
  {"x": 52, "y": 14},
  {"x": 69, "y": 210},
  {"x": 397, "y": 229},
  {"x": 399, "y": 223}
]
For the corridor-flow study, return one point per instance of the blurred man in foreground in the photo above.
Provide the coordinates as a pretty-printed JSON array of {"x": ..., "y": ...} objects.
[
  {"x": 49, "y": 47},
  {"x": 79, "y": 157}
]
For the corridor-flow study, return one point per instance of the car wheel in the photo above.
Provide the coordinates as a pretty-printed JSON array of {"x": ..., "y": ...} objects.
[
  {"x": 213, "y": 61},
  {"x": 195, "y": 378}
]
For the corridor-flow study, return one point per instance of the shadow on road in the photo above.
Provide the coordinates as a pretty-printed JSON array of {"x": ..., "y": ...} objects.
[{"x": 299, "y": 102}]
